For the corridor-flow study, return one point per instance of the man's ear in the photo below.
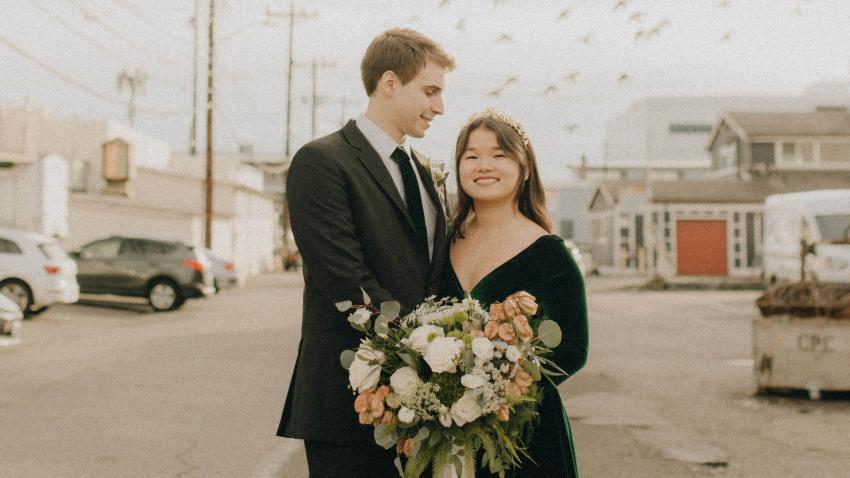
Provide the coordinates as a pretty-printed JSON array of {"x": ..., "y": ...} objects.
[{"x": 389, "y": 82}]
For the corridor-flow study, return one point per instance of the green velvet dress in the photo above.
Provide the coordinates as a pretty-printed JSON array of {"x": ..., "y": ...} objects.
[{"x": 546, "y": 270}]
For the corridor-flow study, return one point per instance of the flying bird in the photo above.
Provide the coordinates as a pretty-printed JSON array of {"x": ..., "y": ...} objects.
[
  {"x": 461, "y": 25},
  {"x": 636, "y": 17},
  {"x": 621, "y": 4},
  {"x": 498, "y": 91},
  {"x": 639, "y": 34},
  {"x": 586, "y": 39},
  {"x": 571, "y": 127},
  {"x": 656, "y": 30},
  {"x": 550, "y": 90},
  {"x": 444, "y": 3},
  {"x": 726, "y": 36},
  {"x": 565, "y": 14},
  {"x": 624, "y": 77},
  {"x": 571, "y": 77},
  {"x": 504, "y": 38}
]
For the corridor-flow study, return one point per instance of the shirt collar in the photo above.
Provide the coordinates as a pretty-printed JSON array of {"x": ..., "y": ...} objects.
[{"x": 383, "y": 143}]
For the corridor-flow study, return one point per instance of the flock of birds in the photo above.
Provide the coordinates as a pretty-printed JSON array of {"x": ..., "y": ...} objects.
[{"x": 636, "y": 18}]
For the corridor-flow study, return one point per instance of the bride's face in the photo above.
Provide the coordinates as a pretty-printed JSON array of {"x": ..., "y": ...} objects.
[{"x": 486, "y": 172}]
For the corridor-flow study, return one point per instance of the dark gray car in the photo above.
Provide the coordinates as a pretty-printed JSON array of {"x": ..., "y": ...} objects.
[{"x": 166, "y": 273}]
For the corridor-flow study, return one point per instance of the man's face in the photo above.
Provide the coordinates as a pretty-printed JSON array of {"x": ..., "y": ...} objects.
[{"x": 416, "y": 103}]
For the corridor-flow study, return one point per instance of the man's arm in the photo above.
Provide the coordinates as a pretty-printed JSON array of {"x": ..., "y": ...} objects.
[{"x": 324, "y": 229}]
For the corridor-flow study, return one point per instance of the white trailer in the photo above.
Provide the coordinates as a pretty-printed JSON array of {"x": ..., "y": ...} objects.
[{"x": 822, "y": 220}]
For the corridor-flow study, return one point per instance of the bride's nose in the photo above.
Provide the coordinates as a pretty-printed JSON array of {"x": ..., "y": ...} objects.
[{"x": 484, "y": 164}]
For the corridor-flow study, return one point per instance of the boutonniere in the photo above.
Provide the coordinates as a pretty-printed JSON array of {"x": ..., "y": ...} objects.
[{"x": 438, "y": 173}]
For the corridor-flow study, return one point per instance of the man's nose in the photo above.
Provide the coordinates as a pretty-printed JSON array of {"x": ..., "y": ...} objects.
[{"x": 438, "y": 107}]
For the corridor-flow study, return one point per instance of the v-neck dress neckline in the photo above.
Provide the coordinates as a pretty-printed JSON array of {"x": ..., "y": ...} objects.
[{"x": 496, "y": 269}]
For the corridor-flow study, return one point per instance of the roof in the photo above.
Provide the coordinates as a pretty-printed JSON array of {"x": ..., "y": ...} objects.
[
  {"x": 824, "y": 122},
  {"x": 734, "y": 191},
  {"x": 20, "y": 235}
]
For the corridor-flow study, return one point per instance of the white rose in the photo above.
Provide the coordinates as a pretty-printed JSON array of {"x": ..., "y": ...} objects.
[
  {"x": 406, "y": 415},
  {"x": 360, "y": 317},
  {"x": 445, "y": 416},
  {"x": 363, "y": 373},
  {"x": 472, "y": 381},
  {"x": 405, "y": 381},
  {"x": 465, "y": 410},
  {"x": 512, "y": 353},
  {"x": 418, "y": 339},
  {"x": 482, "y": 348},
  {"x": 443, "y": 353}
]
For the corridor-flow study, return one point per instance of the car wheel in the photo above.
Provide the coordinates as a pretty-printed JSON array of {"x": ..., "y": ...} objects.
[
  {"x": 19, "y": 293},
  {"x": 164, "y": 295}
]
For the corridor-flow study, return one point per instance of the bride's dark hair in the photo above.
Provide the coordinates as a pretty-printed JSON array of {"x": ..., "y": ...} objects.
[{"x": 530, "y": 199}]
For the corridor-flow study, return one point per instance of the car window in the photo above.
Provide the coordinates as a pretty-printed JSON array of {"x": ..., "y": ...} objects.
[
  {"x": 51, "y": 250},
  {"x": 9, "y": 247},
  {"x": 159, "y": 248},
  {"x": 105, "y": 249},
  {"x": 131, "y": 247}
]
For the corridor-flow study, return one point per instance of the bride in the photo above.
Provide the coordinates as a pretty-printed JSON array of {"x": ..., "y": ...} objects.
[{"x": 502, "y": 243}]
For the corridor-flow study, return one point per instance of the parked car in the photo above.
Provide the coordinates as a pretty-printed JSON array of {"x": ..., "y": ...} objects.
[
  {"x": 821, "y": 219},
  {"x": 10, "y": 321},
  {"x": 35, "y": 272},
  {"x": 166, "y": 273},
  {"x": 224, "y": 272}
]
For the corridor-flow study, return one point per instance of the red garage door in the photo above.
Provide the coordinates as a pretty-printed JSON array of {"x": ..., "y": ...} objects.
[{"x": 701, "y": 248}]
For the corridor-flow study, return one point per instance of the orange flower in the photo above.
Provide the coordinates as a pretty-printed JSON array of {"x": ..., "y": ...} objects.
[
  {"x": 523, "y": 329},
  {"x": 511, "y": 306},
  {"x": 365, "y": 418},
  {"x": 399, "y": 447},
  {"x": 383, "y": 391},
  {"x": 377, "y": 406},
  {"x": 388, "y": 418},
  {"x": 503, "y": 413},
  {"x": 408, "y": 447},
  {"x": 497, "y": 312},
  {"x": 491, "y": 330},
  {"x": 361, "y": 403},
  {"x": 507, "y": 332},
  {"x": 525, "y": 302},
  {"x": 476, "y": 333},
  {"x": 522, "y": 378},
  {"x": 512, "y": 389}
]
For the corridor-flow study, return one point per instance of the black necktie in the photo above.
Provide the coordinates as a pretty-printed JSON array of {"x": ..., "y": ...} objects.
[{"x": 411, "y": 194}]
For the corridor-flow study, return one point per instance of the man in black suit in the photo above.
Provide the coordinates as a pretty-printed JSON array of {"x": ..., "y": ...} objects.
[{"x": 365, "y": 214}]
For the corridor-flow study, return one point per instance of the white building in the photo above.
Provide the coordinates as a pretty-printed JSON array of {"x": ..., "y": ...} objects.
[{"x": 121, "y": 182}]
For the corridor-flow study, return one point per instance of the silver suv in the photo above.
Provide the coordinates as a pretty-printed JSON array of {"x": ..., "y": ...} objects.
[{"x": 166, "y": 273}]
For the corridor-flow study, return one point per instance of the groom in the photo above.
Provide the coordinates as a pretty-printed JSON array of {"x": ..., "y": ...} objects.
[{"x": 365, "y": 214}]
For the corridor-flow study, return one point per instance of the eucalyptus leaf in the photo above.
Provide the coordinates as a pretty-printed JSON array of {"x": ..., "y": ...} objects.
[
  {"x": 366, "y": 299},
  {"x": 549, "y": 333},
  {"x": 382, "y": 326},
  {"x": 386, "y": 436},
  {"x": 458, "y": 465},
  {"x": 344, "y": 305},
  {"x": 434, "y": 438},
  {"x": 422, "y": 434},
  {"x": 532, "y": 369},
  {"x": 390, "y": 308},
  {"x": 397, "y": 463},
  {"x": 346, "y": 357}
]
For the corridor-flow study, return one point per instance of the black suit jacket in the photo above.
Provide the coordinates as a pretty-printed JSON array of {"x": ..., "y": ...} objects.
[{"x": 353, "y": 231}]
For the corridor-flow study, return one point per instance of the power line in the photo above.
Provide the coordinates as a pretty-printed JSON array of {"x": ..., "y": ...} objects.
[
  {"x": 124, "y": 4},
  {"x": 81, "y": 86}
]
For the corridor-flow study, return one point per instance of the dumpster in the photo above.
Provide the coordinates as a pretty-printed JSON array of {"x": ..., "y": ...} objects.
[{"x": 802, "y": 339}]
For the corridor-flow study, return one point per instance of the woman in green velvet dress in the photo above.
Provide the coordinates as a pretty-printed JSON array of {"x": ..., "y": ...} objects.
[{"x": 501, "y": 244}]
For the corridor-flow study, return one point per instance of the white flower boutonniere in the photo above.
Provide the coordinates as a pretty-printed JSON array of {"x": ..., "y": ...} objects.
[{"x": 438, "y": 173}]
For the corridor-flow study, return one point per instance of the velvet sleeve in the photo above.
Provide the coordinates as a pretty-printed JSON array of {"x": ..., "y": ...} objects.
[{"x": 563, "y": 300}]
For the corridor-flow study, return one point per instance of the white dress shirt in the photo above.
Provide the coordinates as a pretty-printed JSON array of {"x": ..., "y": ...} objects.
[{"x": 384, "y": 144}]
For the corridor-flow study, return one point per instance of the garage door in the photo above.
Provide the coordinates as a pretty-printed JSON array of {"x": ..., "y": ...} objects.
[{"x": 701, "y": 248}]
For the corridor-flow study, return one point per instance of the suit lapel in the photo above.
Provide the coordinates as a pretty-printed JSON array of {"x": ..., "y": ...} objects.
[{"x": 440, "y": 226}]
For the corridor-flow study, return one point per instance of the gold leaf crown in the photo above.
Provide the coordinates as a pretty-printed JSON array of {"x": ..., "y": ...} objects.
[{"x": 504, "y": 118}]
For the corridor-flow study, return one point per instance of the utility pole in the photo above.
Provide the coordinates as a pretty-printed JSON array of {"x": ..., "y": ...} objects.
[
  {"x": 315, "y": 98},
  {"x": 134, "y": 82},
  {"x": 291, "y": 15},
  {"x": 193, "y": 134},
  {"x": 208, "y": 184}
]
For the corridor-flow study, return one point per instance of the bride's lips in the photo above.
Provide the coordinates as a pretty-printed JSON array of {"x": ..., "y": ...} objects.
[{"x": 486, "y": 181}]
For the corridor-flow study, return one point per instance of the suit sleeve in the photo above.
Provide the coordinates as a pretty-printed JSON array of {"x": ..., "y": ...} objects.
[
  {"x": 564, "y": 302},
  {"x": 324, "y": 230}
]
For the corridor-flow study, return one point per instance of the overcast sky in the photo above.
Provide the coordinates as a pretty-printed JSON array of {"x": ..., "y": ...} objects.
[{"x": 703, "y": 47}]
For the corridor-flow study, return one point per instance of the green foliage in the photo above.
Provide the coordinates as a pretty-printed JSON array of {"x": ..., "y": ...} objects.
[{"x": 450, "y": 387}]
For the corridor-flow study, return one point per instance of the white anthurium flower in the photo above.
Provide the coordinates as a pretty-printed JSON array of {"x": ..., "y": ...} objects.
[
  {"x": 482, "y": 348},
  {"x": 472, "y": 381},
  {"x": 418, "y": 339},
  {"x": 443, "y": 354},
  {"x": 465, "y": 410},
  {"x": 512, "y": 353},
  {"x": 405, "y": 381},
  {"x": 365, "y": 369},
  {"x": 406, "y": 415}
]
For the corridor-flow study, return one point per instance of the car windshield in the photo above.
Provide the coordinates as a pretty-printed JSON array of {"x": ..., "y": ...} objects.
[
  {"x": 834, "y": 227},
  {"x": 51, "y": 250}
]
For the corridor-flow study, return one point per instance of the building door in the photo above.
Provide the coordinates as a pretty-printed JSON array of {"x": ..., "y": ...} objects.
[{"x": 701, "y": 248}]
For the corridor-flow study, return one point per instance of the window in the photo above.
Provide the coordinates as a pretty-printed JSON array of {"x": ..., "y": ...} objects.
[
  {"x": 105, "y": 249},
  {"x": 806, "y": 152},
  {"x": 51, "y": 250},
  {"x": 567, "y": 228},
  {"x": 789, "y": 153},
  {"x": 9, "y": 247},
  {"x": 763, "y": 153},
  {"x": 834, "y": 228},
  {"x": 835, "y": 152}
]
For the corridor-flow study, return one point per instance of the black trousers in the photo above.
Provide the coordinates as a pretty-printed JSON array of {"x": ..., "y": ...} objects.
[{"x": 349, "y": 460}]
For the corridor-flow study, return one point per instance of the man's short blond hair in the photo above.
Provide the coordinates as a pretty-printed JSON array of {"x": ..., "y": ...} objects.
[{"x": 402, "y": 51}]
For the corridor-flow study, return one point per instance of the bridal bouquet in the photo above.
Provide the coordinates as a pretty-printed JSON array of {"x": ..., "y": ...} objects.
[{"x": 451, "y": 379}]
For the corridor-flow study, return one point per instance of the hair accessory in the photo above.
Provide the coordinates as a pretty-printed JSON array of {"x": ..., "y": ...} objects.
[{"x": 504, "y": 118}]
